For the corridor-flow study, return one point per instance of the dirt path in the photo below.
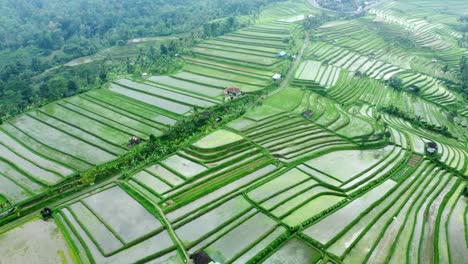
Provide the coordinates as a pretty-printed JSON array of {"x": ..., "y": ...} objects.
[
  {"x": 292, "y": 70},
  {"x": 171, "y": 231}
]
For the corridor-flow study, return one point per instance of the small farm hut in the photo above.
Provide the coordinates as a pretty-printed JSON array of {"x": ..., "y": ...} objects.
[
  {"x": 232, "y": 92},
  {"x": 281, "y": 54},
  {"x": 431, "y": 148},
  {"x": 46, "y": 213},
  {"x": 134, "y": 140},
  {"x": 307, "y": 114},
  {"x": 200, "y": 257},
  {"x": 276, "y": 77},
  {"x": 414, "y": 88}
]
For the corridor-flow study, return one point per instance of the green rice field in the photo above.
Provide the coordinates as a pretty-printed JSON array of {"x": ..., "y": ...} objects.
[{"x": 330, "y": 165}]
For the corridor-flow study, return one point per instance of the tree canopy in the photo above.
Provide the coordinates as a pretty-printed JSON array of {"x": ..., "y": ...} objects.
[
  {"x": 38, "y": 35},
  {"x": 396, "y": 83}
]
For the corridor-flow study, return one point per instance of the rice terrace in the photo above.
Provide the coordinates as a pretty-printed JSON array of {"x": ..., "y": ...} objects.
[{"x": 304, "y": 131}]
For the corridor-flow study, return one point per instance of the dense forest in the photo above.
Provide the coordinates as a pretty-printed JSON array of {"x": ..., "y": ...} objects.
[
  {"x": 38, "y": 35},
  {"x": 341, "y": 5},
  {"x": 464, "y": 76}
]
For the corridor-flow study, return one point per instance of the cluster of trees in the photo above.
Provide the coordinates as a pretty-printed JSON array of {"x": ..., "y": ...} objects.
[
  {"x": 314, "y": 21},
  {"x": 401, "y": 38},
  {"x": 270, "y": 248},
  {"x": 464, "y": 76},
  {"x": 341, "y": 5},
  {"x": 395, "y": 111},
  {"x": 396, "y": 83},
  {"x": 176, "y": 137},
  {"x": 39, "y": 35},
  {"x": 221, "y": 27},
  {"x": 462, "y": 26}
]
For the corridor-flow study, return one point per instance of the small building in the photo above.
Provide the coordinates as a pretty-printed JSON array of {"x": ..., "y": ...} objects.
[
  {"x": 200, "y": 257},
  {"x": 431, "y": 148},
  {"x": 134, "y": 141},
  {"x": 144, "y": 75},
  {"x": 168, "y": 203},
  {"x": 46, "y": 213},
  {"x": 276, "y": 77},
  {"x": 282, "y": 54},
  {"x": 414, "y": 88},
  {"x": 307, "y": 114},
  {"x": 232, "y": 92},
  {"x": 434, "y": 60}
]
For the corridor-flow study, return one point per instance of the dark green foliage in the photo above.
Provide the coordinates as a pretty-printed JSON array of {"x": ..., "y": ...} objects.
[
  {"x": 414, "y": 89},
  {"x": 462, "y": 26},
  {"x": 261, "y": 256},
  {"x": 176, "y": 137},
  {"x": 220, "y": 27},
  {"x": 417, "y": 121},
  {"x": 315, "y": 21},
  {"x": 396, "y": 83},
  {"x": 341, "y": 6},
  {"x": 393, "y": 34},
  {"x": 464, "y": 76},
  {"x": 36, "y": 36}
]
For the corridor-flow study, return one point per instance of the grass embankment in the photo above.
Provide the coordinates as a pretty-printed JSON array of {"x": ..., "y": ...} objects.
[{"x": 178, "y": 136}]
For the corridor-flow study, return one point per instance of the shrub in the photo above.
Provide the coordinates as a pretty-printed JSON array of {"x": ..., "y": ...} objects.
[{"x": 396, "y": 83}]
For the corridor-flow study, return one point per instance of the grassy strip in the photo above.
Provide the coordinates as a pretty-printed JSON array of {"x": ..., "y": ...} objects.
[
  {"x": 51, "y": 151},
  {"x": 253, "y": 244},
  {"x": 130, "y": 113},
  {"x": 216, "y": 182},
  {"x": 78, "y": 237},
  {"x": 442, "y": 207},
  {"x": 29, "y": 159},
  {"x": 392, "y": 110},
  {"x": 59, "y": 221},
  {"x": 178, "y": 136}
]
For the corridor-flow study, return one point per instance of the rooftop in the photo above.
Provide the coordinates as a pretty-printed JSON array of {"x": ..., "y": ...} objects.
[
  {"x": 232, "y": 90},
  {"x": 200, "y": 257},
  {"x": 281, "y": 54},
  {"x": 277, "y": 76}
]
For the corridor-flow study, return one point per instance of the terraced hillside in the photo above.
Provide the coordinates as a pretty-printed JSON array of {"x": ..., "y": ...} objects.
[
  {"x": 335, "y": 165},
  {"x": 46, "y": 146}
]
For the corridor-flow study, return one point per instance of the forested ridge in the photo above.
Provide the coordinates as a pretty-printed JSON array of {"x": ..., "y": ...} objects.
[
  {"x": 36, "y": 35},
  {"x": 342, "y": 6}
]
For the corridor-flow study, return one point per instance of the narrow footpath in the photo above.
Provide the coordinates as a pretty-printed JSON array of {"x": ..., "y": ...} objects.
[
  {"x": 171, "y": 231},
  {"x": 293, "y": 68}
]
